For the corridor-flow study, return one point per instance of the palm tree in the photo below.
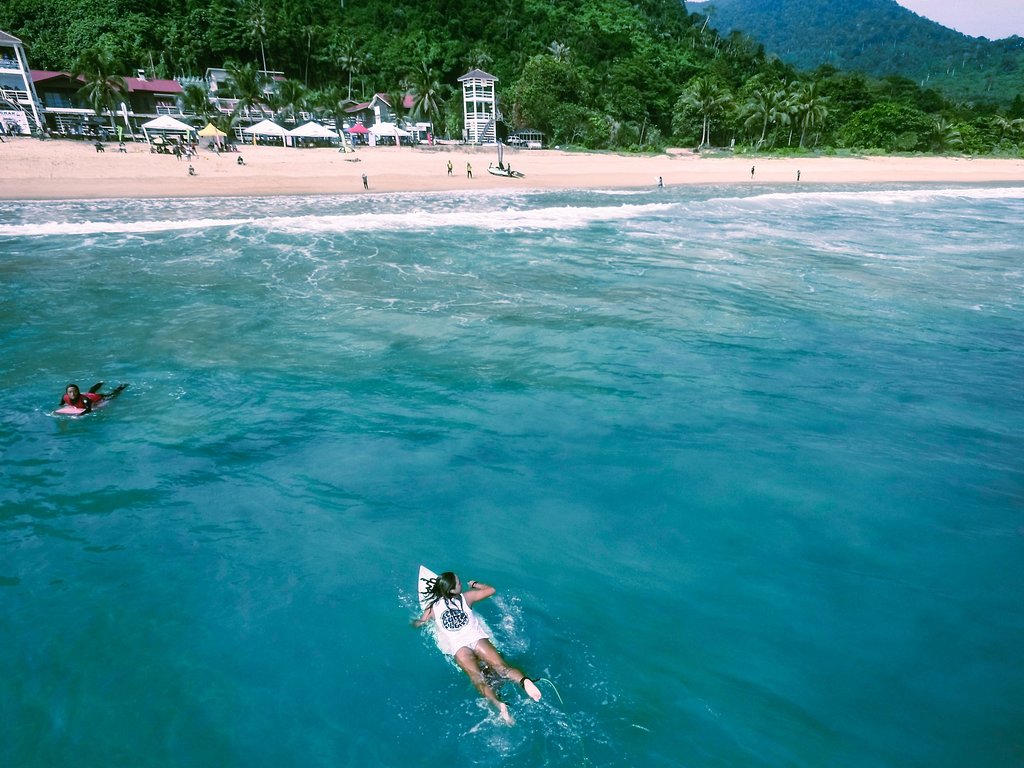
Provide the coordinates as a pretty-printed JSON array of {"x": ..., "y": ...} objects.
[
  {"x": 1008, "y": 126},
  {"x": 479, "y": 59},
  {"x": 810, "y": 108},
  {"x": 945, "y": 136},
  {"x": 103, "y": 89},
  {"x": 559, "y": 51},
  {"x": 291, "y": 97},
  {"x": 396, "y": 101},
  {"x": 706, "y": 96},
  {"x": 249, "y": 86},
  {"x": 197, "y": 101},
  {"x": 428, "y": 93},
  {"x": 351, "y": 61},
  {"x": 767, "y": 106},
  {"x": 255, "y": 21}
]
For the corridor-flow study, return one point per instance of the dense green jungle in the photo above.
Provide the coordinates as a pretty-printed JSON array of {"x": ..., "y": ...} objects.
[
  {"x": 600, "y": 74},
  {"x": 880, "y": 38}
]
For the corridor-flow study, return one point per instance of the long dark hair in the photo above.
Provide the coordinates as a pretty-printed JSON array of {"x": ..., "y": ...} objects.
[{"x": 440, "y": 587}]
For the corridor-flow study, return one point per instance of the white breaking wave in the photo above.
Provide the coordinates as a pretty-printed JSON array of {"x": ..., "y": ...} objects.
[
  {"x": 882, "y": 196},
  {"x": 420, "y": 220}
]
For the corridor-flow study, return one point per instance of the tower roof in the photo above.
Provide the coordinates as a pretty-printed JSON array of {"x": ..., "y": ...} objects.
[{"x": 477, "y": 74}]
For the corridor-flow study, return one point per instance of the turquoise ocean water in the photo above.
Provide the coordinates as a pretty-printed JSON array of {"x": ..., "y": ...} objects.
[{"x": 746, "y": 465}]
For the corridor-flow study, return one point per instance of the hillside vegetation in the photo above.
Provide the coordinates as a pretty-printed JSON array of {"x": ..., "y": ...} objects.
[
  {"x": 878, "y": 37},
  {"x": 620, "y": 74}
]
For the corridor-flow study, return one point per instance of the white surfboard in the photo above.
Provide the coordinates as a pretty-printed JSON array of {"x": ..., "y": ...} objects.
[{"x": 422, "y": 578}]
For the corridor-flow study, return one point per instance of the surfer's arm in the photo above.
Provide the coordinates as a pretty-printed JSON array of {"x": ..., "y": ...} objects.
[
  {"x": 478, "y": 591},
  {"x": 424, "y": 618}
]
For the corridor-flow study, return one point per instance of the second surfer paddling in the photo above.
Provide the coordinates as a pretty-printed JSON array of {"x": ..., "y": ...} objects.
[
  {"x": 86, "y": 400},
  {"x": 465, "y": 637}
]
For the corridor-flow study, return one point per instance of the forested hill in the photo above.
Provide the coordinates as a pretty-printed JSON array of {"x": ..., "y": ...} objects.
[
  {"x": 601, "y": 74},
  {"x": 878, "y": 37}
]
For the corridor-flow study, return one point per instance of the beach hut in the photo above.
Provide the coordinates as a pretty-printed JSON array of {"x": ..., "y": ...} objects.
[
  {"x": 165, "y": 124},
  {"x": 266, "y": 128}
]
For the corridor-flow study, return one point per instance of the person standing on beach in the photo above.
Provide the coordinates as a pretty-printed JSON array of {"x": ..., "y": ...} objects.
[
  {"x": 469, "y": 171},
  {"x": 449, "y": 167},
  {"x": 752, "y": 172},
  {"x": 366, "y": 184},
  {"x": 661, "y": 183},
  {"x": 467, "y": 639},
  {"x": 798, "y": 175}
]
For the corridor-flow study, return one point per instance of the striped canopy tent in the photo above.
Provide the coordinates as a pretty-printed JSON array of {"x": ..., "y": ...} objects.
[
  {"x": 266, "y": 128},
  {"x": 165, "y": 124}
]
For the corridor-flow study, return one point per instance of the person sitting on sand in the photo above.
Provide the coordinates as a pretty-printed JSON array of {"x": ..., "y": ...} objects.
[
  {"x": 468, "y": 639},
  {"x": 191, "y": 170},
  {"x": 76, "y": 399},
  {"x": 241, "y": 160}
]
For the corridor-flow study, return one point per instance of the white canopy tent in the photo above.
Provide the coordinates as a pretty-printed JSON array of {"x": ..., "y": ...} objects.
[
  {"x": 166, "y": 124},
  {"x": 313, "y": 130},
  {"x": 266, "y": 128},
  {"x": 387, "y": 129}
]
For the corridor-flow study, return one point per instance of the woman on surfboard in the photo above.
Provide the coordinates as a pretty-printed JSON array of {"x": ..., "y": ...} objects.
[
  {"x": 467, "y": 638},
  {"x": 74, "y": 397}
]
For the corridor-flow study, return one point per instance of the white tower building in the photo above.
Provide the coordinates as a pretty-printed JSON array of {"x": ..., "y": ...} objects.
[{"x": 479, "y": 106}]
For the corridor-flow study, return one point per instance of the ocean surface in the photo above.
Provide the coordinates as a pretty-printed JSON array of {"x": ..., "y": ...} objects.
[{"x": 746, "y": 465}]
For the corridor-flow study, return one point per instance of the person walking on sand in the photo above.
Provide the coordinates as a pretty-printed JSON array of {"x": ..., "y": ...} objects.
[
  {"x": 752, "y": 172},
  {"x": 462, "y": 635},
  {"x": 798, "y": 175},
  {"x": 469, "y": 171},
  {"x": 449, "y": 167},
  {"x": 366, "y": 183}
]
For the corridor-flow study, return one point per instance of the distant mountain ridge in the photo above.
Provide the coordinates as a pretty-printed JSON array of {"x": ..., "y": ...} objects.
[{"x": 880, "y": 38}]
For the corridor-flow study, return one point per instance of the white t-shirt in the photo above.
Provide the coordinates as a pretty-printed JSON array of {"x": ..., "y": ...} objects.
[{"x": 457, "y": 625}]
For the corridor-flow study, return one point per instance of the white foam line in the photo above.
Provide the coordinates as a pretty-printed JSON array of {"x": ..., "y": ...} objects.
[
  {"x": 495, "y": 220},
  {"x": 885, "y": 196}
]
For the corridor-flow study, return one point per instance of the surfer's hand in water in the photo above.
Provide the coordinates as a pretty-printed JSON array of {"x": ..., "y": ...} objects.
[{"x": 505, "y": 715}]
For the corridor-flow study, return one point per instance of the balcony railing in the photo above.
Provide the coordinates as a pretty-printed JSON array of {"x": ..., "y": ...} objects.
[{"x": 18, "y": 97}]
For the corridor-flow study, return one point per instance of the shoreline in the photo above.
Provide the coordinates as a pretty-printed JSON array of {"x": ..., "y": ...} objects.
[{"x": 74, "y": 170}]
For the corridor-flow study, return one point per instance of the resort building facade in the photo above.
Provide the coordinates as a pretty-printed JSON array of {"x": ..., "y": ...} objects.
[{"x": 19, "y": 104}]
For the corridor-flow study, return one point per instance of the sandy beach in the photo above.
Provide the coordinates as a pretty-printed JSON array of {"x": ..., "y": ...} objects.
[{"x": 55, "y": 169}]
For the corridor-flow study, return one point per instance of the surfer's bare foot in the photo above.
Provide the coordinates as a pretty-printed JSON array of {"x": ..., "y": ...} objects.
[
  {"x": 505, "y": 715},
  {"x": 531, "y": 688}
]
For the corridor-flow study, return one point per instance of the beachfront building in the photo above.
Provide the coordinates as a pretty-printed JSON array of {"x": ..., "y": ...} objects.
[
  {"x": 19, "y": 103},
  {"x": 217, "y": 81},
  {"x": 479, "y": 107},
  {"x": 378, "y": 111},
  {"x": 68, "y": 114}
]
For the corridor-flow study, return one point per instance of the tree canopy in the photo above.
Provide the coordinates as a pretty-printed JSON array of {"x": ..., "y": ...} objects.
[{"x": 622, "y": 74}]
